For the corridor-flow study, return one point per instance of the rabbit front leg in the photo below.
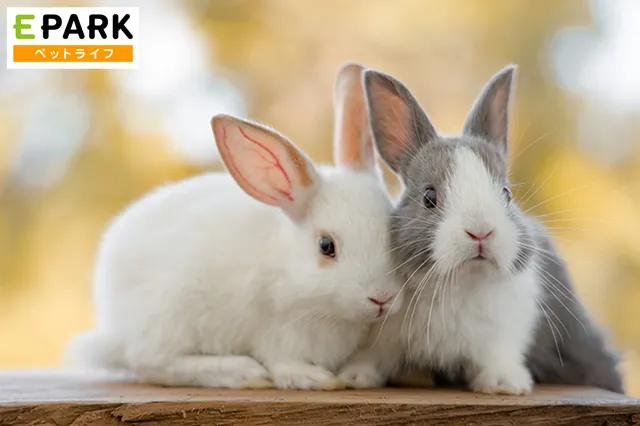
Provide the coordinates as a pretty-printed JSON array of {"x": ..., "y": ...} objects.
[
  {"x": 301, "y": 375},
  {"x": 364, "y": 370},
  {"x": 498, "y": 367},
  {"x": 288, "y": 360},
  {"x": 378, "y": 360},
  {"x": 496, "y": 351},
  {"x": 303, "y": 358},
  {"x": 236, "y": 372}
]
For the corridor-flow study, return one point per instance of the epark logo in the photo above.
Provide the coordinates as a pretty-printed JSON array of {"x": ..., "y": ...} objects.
[{"x": 72, "y": 37}]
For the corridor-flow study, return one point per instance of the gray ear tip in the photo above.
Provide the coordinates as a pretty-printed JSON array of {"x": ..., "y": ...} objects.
[
  {"x": 375, "y": 75},
  {"x": 509, "y": 71},
  {"x": 373, "y": 78}
]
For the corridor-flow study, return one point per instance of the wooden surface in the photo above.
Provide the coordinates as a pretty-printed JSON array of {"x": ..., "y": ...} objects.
[{"x": 59, "y": 398}]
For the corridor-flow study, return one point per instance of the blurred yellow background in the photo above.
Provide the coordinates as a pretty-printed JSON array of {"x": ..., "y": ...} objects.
[{"x": 76, "y": 146}]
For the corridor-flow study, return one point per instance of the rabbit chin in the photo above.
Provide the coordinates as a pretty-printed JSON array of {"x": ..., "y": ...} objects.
[
  {"x": 480, "y": 264},
  {"x": 485, "y": 265}
]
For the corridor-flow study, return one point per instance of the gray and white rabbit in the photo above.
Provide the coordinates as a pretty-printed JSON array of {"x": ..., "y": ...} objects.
[
  {"x": 268, "y": 274},
  {"x": 475, "y": 266}
]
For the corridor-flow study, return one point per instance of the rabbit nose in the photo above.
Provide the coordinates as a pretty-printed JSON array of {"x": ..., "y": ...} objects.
[
  {"x": 478, "y": 235},
  {"x": 380, "y": 301}
]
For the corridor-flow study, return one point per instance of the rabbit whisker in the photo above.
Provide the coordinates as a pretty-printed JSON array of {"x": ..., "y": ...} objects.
[
  {"x": 419, "y": 253},
  {"x": 555, "y": 197},
  {"x": 552, "y": 327},
  {"x": 417, "y": 296},
  {"x": 530, "y": 144},
  {"x": 564, "y": 305}
]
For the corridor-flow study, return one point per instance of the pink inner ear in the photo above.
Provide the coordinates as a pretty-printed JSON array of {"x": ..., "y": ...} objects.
[
  {"x": 498, "y": 112},
  {"x": 259, "y": 169},
  {"x": 394, "y": 117},
  {"x": 272, "y": 164},
  {"x": 353, "y": 139}
]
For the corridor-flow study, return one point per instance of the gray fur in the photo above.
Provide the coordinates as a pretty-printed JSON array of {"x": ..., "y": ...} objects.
[
  {"x": 582, "y": 355},
  {"x": 422, "y": 157}
]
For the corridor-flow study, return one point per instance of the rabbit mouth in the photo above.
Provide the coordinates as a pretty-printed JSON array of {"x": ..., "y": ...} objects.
[{"x": 482, "y": 259}]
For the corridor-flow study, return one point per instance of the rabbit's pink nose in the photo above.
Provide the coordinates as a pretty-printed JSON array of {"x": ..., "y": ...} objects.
[
  {"x": 380, "y": 301},
  {"x": 478, "y": 236}
]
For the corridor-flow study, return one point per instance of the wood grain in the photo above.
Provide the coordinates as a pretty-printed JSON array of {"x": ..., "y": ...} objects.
[{"x": 78, "y": 399}]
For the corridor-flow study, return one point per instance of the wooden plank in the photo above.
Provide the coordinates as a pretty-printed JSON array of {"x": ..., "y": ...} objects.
[{"x": 75, "y": 398}]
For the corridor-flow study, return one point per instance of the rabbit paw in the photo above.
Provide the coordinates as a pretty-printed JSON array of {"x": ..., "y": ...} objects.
[
  {"x": 517, "y": 381},
  {"x": 301, "y": 376},
  {"x": 359, "y": 376},
  {"x": 238, "y": 373}
]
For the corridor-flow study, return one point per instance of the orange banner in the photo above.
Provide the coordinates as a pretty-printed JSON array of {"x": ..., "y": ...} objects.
[{"x": 80, "y": 53}]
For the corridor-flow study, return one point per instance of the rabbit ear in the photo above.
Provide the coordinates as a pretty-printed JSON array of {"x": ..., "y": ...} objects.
[
  {"x": 400, "y": 125},
  {"x": 266, "y": 165},
  {"x": 489, "y": 117},
  {"x": 353, "y": 141}
]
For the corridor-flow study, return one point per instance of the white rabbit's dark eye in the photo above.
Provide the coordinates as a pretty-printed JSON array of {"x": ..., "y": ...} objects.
[
  {"x": 507, "y": 194},
  {"x": 430, "y": 197},
  {"x": 327, "y": 247}
]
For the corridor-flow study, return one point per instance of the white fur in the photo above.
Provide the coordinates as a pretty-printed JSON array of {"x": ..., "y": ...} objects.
[
  {"x": 474, "y": 202},
  {"x": 481, "y": 317},
  {"x": 199, "y": 284}
]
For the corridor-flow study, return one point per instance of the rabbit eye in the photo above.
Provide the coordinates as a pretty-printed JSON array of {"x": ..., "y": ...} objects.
[
  {"x": 507, "y": 194},
  {"x": 430, "y": 197},
  {"x": 327, "y": 246}
]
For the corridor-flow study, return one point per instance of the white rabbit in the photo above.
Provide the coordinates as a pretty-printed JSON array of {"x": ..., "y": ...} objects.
[
  {"x": 274, "y": 279},
  {"x": 469, "y": 257}
]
